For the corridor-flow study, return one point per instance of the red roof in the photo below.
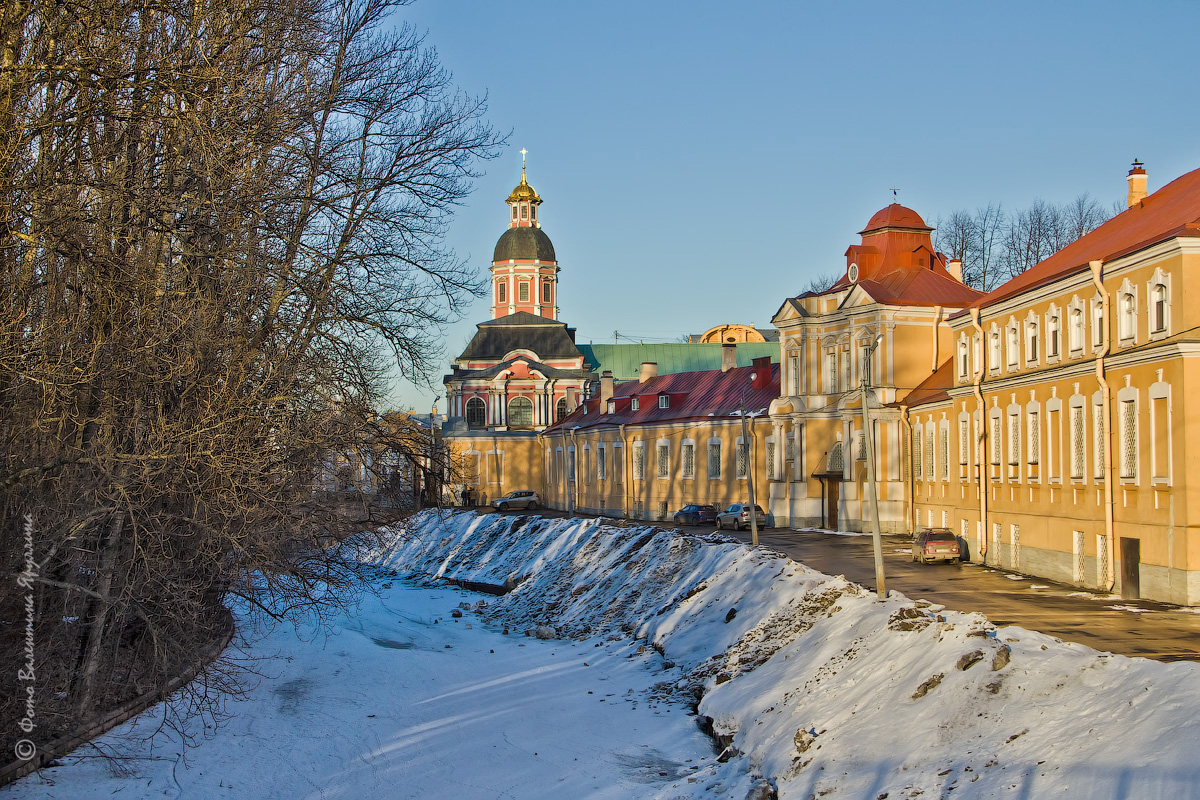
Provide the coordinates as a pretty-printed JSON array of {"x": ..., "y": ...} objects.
[
  {"x": 895, "y": 216},
  {"x": 694, "y": 396},
  {"x": 933, "y": 389},
  {"x": 917, "y": 288},
  {"x": 1172, "y": 211}
]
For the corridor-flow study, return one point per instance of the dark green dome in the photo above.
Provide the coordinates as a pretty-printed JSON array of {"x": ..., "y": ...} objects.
[{"x": 524, "y": 244}]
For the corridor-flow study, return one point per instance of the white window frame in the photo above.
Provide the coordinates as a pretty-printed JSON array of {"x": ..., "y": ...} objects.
[
  {"x": 601, "y": 467},
  {"x": 664, "y": 401},
  {"x": 687, "y": 470},
  {"x": 714, "y": 442},
  {"x": 639, "y": 460},
  {"x": 662, "y": 459},
  {"x": 1160, "y": 283},
  {"x": 1127, "y": 314}
]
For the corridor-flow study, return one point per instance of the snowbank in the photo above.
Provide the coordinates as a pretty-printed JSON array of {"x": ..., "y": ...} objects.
[{"x": 818, "y": 687}]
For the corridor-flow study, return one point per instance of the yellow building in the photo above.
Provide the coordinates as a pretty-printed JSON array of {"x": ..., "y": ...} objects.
[{"x": 1054, "y": 440}]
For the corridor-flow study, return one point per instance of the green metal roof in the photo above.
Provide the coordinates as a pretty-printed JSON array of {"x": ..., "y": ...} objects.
[{"x": 625, "y": 360}]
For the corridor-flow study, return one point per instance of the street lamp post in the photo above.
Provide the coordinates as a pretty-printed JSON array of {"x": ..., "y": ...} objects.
[
  {"x": 750, "y": 470},
  {"x": 872, "y": 489}
]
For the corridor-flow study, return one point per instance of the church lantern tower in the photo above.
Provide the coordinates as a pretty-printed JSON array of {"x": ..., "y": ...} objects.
[{"x": 524, "y": 269}]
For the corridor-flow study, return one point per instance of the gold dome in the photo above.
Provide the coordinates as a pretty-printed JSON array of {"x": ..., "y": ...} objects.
[{"x": 524, "y": 192}]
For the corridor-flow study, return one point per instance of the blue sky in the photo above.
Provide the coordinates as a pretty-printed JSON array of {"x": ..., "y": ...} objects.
[{"x": 701, "y": 161}]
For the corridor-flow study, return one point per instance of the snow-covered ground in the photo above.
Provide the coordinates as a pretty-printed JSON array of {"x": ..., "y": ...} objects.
[{"x": 813, "y": 686}]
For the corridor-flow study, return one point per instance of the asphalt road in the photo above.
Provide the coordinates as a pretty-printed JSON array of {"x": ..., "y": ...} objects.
[{"x": 1104, "y": 622}]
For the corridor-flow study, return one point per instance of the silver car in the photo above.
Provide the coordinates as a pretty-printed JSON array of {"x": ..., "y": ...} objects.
[
  {"x": 522, "y": 498},
  {"x": 737, "y": 516}
]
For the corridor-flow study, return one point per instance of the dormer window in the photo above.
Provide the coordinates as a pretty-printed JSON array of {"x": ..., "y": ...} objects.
[
  {"x": 634, "y": 405},
  {"x": 612, "y": 406},
  {"x": 664, "y": 401}
]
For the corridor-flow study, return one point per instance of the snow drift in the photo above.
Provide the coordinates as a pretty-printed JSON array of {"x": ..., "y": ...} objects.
[{"x": 816, "y": 687}]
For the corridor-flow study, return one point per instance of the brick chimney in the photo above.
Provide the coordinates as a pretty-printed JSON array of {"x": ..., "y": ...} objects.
[
  {"x": 1137, "y": 184},
  {"x": 728, "y": 356},
  {"x": 649, "y": 370},
  {"x": 606, "y": 387},
  {"x": 954, "y": 267}
]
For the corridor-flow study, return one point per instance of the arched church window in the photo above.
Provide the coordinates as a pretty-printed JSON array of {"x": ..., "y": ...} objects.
[
  {"x": 476, "y": 412},
  {"x": 560, "y": 409},
  {"x": 520, "y": 411}
]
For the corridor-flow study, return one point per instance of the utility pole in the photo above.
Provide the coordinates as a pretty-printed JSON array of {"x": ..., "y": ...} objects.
[
  {"x": 872, "y": 489},
  {"x": 749, "y": 475}
]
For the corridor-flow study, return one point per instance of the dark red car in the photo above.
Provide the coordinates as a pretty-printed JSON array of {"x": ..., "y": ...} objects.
[{"x": 935, "y": 544}]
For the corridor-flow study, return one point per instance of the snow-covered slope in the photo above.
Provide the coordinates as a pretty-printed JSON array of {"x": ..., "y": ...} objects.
[{"x": 820, "y": 688}]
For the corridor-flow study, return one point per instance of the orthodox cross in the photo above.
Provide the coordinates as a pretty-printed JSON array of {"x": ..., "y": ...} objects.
[
  {"x": 523, "y": 152},
  {"x": 894, "y": 197}
]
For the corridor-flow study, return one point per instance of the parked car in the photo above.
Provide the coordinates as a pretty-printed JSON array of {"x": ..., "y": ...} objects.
[
  {"x": 737, "y": 516},
  {"x": 696, "y": 514},
  {"x": 522, "y": 498},
  {"x": 935, "y": 544}
]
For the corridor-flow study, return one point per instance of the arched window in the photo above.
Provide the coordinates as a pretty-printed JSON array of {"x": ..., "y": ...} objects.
[
  {"x": 560, "y": 408},
  {"x": 1127, "y": 309},
  {"x": 1052, "y": 336},
  {"x": 1075, "y": 330},
  {"x": 1158, "y": 301},
  {"x": 520, "y": 411},
  {"x": 476, "y": 413}
]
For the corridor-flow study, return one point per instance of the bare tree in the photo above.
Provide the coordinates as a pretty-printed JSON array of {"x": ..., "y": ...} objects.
[
  {"x": 973, "y": 238},
  {"x": 822, "y": 282},
  {"x": 218, "y": 225}
]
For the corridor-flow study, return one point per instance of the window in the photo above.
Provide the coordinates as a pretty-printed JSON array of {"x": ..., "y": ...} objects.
[
  {"x": 634, "y": 404},
  {"x": 570, "y": 463},
  {"x": 533, "y": 212},
  {"x": 1053, "y": 444},
  {"x": 546, "y": 292},
  {"x": 523, "y": 292},
  {"x": 1098, "y": 427},
  {"x": 1097, "y": 323},
  {"x": 944, "y": 447},
  {"x": 524, "y": 211},
  {"x": 476, "y": 413},
  {"x": 612, "y": 406},
  {"x": 663, "y": 460},
  {"x": 1014, "y": 443},
  {"x": 520, "y": 411},
  {"x": 618, "y": 464},
  {"x": 1160, "y": 439},
  {"x": 587, "y": 464},
  {"x": 664, "y": 401},
  {"x": 997, "y": 442},
  {"x": 1031, "y": 341},
  {"x": 1127, "y": 305},
  {"x": 1158, "y": 308},
  {"x": 514, "y": 212},
  {"x": 560, "y": 408},
  {"x": 1078, "y": 442},
  {"x": 1129, "y": 443},
  {"x": 831, "y": 371},
  {"x": 639, "y": 461},
  {"x": 794, "y": 374},
  {"x": 1052, "y": 332},
  {"x": 687, "y": 457},
  {"x": 601, "y": 468},
  {"x": 994, "y": 351},
  {"x": 502, "y": 292},
  {"x": 964, "y": 450},
  {"x": 962, "y": 358},
  {"x": 743, "y": 459},
  {"x": 917, "y": 450},
  {"x": 929, "y": 463},
  {"x": 714, "y": 460},
  {"x": 1034, "y": 438},
  {"x": 1014, "y": 349},
  {"x": 1075, "y": 331},
  {"x": 770, "y": 460}
]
